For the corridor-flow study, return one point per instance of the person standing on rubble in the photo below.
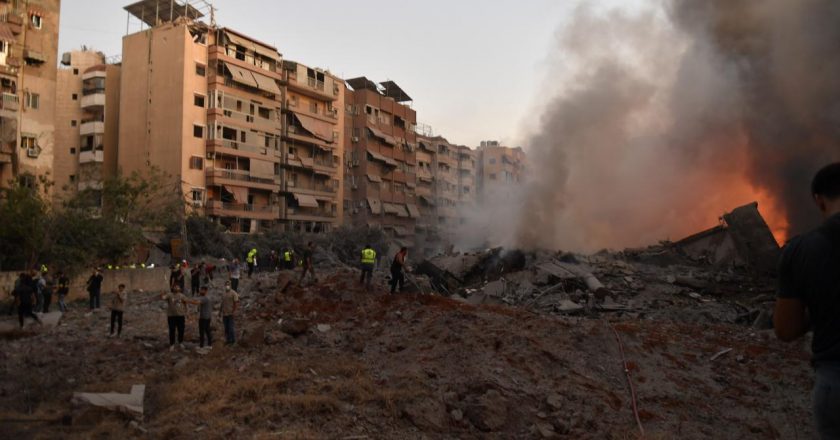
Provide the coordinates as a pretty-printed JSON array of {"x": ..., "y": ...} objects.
[
  {"x": 47, "y": 286},
  {"x": 24, "y": 295},
  {"x": 176, "y": 310},
  {"x": 288, "y": 259},
  {"x": 205, "y": 316},
  {"x": 63, "y": 291},
  {"x": 94, "y": 288},
  {"x": 809, "y": 299},
  {"x": 251, "y": 261},
  {"x": 118, "y": 303},
  {"x": 398, "y": 270},
  {"x": 306, "y": 263},
  {"x": 235, "y": 272},
  {"x": 195, "y": 279},
  {"x": 368, "y": 263},
  {"x": 230, "y": 302}
]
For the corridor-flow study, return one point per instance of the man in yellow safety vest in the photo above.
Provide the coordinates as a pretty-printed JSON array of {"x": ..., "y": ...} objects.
[
  {"x": 289, "y": 259},
  {"x": 368, "y": 262},
  {"x": 251, "y": 260}
]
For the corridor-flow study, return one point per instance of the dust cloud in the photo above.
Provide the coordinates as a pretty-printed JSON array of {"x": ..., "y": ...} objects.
[{"x": 668, "y": 116}]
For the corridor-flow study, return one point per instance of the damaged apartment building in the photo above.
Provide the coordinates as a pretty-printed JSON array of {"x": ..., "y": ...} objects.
[
  {"x": 87, "y": 122},
  {"x": 251, "y": 142},
  {"x": 446, "y": 190},
  {"x": 28, "y": 69},
  {"x": 381, "y": 159},
  {"x": 500, "y": 170}
]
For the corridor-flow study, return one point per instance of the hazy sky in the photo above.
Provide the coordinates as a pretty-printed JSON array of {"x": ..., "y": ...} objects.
[{"x": 473, "y": 68}]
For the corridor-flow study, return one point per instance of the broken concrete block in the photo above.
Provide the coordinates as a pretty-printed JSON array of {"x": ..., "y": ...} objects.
[
  {"x": 568, "y": 306},
  {"x": 294, "y": 327},
  {"x": 131, "y": 403}
]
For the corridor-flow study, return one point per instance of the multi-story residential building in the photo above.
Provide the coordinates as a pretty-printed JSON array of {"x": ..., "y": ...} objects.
[
  {"x": 87, "y": 122},
  {"x": 313, "y": 142},
  {"x": 202, "y": 103},
  {"x": 381, "y": 159},
  {"x": 28, "y": 68},
  {"x": 467, "y": 180},
  {"x": 500, "y": 168},
  {"x": 446, "y": 190}
]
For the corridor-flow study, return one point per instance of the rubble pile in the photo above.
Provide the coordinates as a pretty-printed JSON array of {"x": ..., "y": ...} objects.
[
  {"x": 703, "y": 278},
  {"x": 494, "y": 344}
]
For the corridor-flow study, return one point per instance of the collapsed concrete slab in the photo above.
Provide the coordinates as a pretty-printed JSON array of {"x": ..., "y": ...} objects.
[
  {"x": 131, "y": 404},
  {"x": 743, "y": 238}
]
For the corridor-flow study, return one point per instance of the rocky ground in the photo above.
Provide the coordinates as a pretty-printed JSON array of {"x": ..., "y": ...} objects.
[{"x": 331, "y": 360}]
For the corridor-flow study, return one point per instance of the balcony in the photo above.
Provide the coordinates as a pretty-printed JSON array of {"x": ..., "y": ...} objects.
[
  {"x": 95, "y": 99},
  {"x": 268, "y": 125},
  {"x": 260, "y": 212},
  {"x": 321, "y": 90},
  {"x": 91, "y": 156},
  {"x": 310, "y": 189},
  {"x": 9, "y": 105},
  {"x": 309, "y": 215},
  {"x": 239, "y": 178},
  {"x": 92, "y": 127},
  {"x": 233, "y": 147}
]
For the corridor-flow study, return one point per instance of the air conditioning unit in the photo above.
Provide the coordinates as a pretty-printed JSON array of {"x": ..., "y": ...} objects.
[
  {"x": 32, "y": 152},
  {"x": 355, "y": 186},
  {"x": 355, "y": 139},
  {"x": 211, "y": 156},
  {"x": 355, "y": 162}
]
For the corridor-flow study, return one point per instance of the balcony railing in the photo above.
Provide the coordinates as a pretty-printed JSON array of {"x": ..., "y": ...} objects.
[
  {"x": 10, "y": 101},
  {"x": 292, "y": 186},
  {"x": 244, "y": 176},
  {"x": 310, "y": 212},
  {"x": 235, "y": 145},
  {"x": 243, "y": 207},
  {"x": 314, "y": 83}
]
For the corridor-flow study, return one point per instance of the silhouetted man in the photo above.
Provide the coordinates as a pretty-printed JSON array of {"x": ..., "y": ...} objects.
[{"x": 809, "y": 298}]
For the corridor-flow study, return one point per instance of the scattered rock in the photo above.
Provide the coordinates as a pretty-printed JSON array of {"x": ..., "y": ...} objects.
[
  {"x": 427, "y": 414},
  {"x": 294, "y": 327}
]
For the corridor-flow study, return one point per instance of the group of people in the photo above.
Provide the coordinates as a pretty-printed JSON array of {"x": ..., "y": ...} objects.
[
  {"x": 398, "y": 268},
  {"x": 33, "y": 292}
]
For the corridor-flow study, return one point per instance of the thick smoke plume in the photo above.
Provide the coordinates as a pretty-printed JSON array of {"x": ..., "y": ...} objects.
[{"x": 666, "y": 118}]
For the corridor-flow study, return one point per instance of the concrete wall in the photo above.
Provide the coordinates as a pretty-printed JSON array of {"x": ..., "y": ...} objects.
[{"x": 153, "y": 280}]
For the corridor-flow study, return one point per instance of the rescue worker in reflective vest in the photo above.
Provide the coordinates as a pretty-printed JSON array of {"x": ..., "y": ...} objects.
[
  {"x": 251, "y": 260},
  {"x": 289, "y": 259},
  {"x": 368, "y": 262}
]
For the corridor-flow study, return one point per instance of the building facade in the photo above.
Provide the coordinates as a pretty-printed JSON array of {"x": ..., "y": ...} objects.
[
  {"x": 446, "y": 189},
  {"x": 28, "y": 70},
  {"x": 87, "y": 122},
  {"x": 381, "y": 159},
  {"x": 500, "y": 168},
  {"x": 202, "y": 104},
  {"x": 312, "y": 174}
]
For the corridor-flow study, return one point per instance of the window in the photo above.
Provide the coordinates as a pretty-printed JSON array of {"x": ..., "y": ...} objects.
[
  {"x": 75, "y": 71},
  {"x": 198, "y": 100},
  {"x": 196, "y": 163},
  {"x": 313, "y": 107},
  {"x": 37, "y": 21},
  {"x": 72, "y": 178},
  {"x": 3, "y": 47},
  {"x": 27, "y": 181},
  {"x": 75, "y": 97},
  {"x": 72, "y": 151},
  {"x": 198, "y": 131},
  {"x": 32, "y": 100},
  {"x": 200, "y": 69},
  {"x": 197, "y": 194},
  {"x": 28, "y": 142},
  {"x": 73, "y": 123},
  {"x": 264, "y": 113}
]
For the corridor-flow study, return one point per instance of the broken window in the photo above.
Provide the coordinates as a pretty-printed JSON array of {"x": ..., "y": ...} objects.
[
  {"x": 198, "y": 100},
  {"x": 264, "y": 113},
  {"x": 229, "y": 133},
  {"x": 198, "y": 131},
  {"x": 200, "y": 69},
  {"x": 399, "y": 122}
]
